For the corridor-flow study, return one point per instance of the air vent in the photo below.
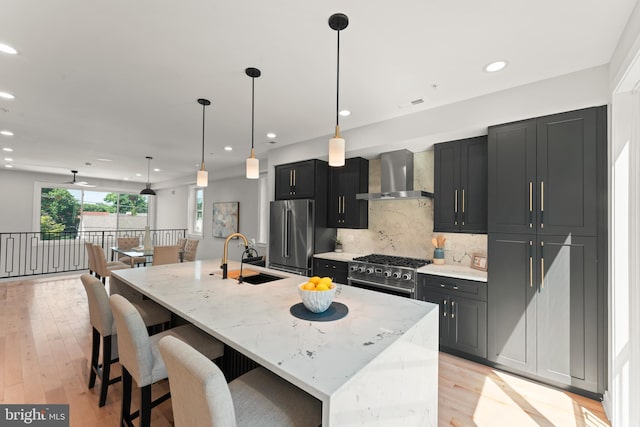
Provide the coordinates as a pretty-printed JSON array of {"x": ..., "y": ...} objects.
[{"x": 417, "y": 101}]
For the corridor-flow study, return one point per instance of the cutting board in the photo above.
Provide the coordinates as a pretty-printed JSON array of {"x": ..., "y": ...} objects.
[{"x": 233, "y": 274}]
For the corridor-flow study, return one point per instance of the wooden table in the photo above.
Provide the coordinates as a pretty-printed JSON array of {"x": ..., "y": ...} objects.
[{"x": 377, "y": 366}]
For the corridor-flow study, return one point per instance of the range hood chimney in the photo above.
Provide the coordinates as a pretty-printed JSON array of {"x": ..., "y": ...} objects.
[{"x": 396, "y": 179}]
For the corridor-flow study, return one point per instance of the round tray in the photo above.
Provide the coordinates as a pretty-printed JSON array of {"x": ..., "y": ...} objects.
[{"x": 335, "y": 311}]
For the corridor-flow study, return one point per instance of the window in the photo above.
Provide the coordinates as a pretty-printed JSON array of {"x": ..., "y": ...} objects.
[
  {"x": 196, "y": 211},
  {"x": 70, "y": 210}
]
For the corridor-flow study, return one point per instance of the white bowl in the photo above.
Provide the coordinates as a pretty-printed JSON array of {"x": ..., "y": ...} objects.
[{"x": 317, "y": 301}]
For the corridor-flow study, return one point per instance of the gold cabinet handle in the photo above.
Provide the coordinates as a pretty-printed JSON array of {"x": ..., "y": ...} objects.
[
  {"x": 541, "y": 204},
  {"x": 453, "y": 310},
  {"x": 445, "y": 308},
  {"x": 530, "y": 264},
  {"x": 542, "y": 265},
  {"x": 455, "y": 205},
  {"x": 294, "y": 177},
  {"x": 530, "y": 204}
]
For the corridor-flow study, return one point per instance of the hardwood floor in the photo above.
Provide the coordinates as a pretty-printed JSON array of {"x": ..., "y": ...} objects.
[{"x": 45, "y": 347}]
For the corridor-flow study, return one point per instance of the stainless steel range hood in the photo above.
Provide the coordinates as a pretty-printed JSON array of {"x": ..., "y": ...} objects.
[{"x": 396, "y": 178}]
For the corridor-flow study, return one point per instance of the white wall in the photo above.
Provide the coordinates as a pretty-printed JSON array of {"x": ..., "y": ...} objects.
[{"x": 171, "y": 207}]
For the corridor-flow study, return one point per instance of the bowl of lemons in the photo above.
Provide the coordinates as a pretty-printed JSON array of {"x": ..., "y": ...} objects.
[{"x": 317, "y": 293}]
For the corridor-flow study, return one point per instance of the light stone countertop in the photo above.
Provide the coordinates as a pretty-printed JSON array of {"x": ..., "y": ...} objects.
[
  {"x": 457, "y": 271},
  {"x": 337, "y": 256},
  {"x": 384, "y": 342}
]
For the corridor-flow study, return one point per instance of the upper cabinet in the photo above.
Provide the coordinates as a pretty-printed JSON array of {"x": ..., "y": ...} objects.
[
  {"x": 302, "y": 180},
  {"x": 543, "y": 176},
  {"x": 460, "y": 184},
  {"x": 344, "y": 183}
]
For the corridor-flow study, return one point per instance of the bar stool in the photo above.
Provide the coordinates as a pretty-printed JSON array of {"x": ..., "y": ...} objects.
[
  {"x": 140, "y": 358},
  {"x": 200, "y": 395},
  {"x": 103, "y": 325}
]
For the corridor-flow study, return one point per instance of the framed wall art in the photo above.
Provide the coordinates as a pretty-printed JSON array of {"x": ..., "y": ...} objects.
[
  {"x": 479, "y": 262},
  {"x": 225, "y": 218}
]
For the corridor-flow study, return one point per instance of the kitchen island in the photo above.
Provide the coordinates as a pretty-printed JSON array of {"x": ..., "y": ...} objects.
[{"x": 376, "y": 366}]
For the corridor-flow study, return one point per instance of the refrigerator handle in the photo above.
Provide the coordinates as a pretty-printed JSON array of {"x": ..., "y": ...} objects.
[
  {"x": 284, "y": 232},
  {"x": 287, "y": 222}
]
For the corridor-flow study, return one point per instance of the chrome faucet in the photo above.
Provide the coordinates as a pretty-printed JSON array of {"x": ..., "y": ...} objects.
[{"x": 225, "y": 254}]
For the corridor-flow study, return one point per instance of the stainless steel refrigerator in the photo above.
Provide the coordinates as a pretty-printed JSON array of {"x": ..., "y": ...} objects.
[{"x": 297, "y": 231}]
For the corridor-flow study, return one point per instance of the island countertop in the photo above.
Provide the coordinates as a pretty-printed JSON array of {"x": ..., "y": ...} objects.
[{"x": 338, "y": 361}]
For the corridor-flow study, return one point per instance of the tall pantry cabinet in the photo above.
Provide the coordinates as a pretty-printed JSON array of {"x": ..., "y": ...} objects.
[{"x": 547, "y": 248}]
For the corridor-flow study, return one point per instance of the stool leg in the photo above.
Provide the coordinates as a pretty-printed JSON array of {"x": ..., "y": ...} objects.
[
  {"x": 95, "y": 350},
  {"x": 106, "y": 369},
  {"x": 125, "y": 417},
  {"x": 145, "y": 406}
]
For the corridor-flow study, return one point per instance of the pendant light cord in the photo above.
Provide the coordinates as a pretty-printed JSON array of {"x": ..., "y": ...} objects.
[
  {"x": 338, "y": 83},
  {"x": 202, "y": 164},
  {"x": 253, "y": 98}
]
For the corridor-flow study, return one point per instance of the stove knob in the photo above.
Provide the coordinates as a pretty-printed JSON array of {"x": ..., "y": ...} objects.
[
  {"x": 361, "y": 269},
  {"x": 396, "y": 275},
  {"x": 406, "y": 276},
  {"x": 370, "y": 270},
  {"x": 353, "y": 268},
  {"x": 387, "y": 273}
]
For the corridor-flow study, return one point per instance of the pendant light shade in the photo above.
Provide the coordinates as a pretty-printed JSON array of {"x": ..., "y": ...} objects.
[
  {"x": 202, "y": 179},
  {"x": 147, "y": 191},
  {"x": 253, "y": 164},
  {"x": 337, "y": 22}
]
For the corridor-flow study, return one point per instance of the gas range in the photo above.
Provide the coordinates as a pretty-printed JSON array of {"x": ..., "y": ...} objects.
[{"x": 386, "y": 273}]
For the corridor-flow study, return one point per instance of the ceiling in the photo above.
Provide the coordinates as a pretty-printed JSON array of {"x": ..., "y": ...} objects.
[{"x": 119, "y": 79}]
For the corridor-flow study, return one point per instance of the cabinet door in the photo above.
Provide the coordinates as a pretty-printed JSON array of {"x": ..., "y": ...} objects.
[
  {"x": 304, "y": 180},
  {"x": 284, "y": 182},
  {"x": 567, "y": 311},
  {"x": 473, "y": 192},
  {"x": 336, "y": 193},
  {"x": 355, "y": 180},
  {"x": 468, "y": 325},
  {"x": 337, "y": 270},
  {"x": 511, "y": 301},
  {"x": 512, "y": 177},
  {"x": 442, "y": 300},
  {"x": 566, "y": 173},
  {"x": 446, "y": 186}
]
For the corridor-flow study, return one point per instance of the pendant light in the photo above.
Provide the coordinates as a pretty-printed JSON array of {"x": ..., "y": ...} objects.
[
  {"x": 253, "y": 164},
  {"x": 147, "y": 190},
  {"x": 337, "y": 22},
  {"x": 202, "y": 179}
]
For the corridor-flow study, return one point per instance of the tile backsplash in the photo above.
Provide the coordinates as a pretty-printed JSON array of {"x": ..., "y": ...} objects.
[{"x": 405, "y": 227}]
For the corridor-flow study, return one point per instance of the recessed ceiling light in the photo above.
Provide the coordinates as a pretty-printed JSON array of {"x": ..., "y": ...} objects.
[
  {"x": 6, "y": 95},
  {"x": 7, "y": 149},
  {"x": 495, "y": 66},
  {"x": 271, "y": 135},
  {"x": 7, "y": 49},
  {"x": 156, "y": 170},
  {"x": 126, "y": 178},
  {"x": 6, "y": 133},
  {"x": 345, "y": 113},
  {"x": 105, "y": 160},
  {"x": 8, "y": 159},
  {"x": 227, "y": 148},
  {"x": 138, "y": 174},
  {"x": 8, "y": 166}
]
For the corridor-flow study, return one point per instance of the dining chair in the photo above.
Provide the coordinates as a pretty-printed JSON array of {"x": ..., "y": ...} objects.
[
  {"x": 104, "y": 328},
  {"x": 140, "y": 357},
  {"x": 166, "y": 255},
  {"x": 190, "y": 250},
  {"x": 200, "y": 395},
  {"x": 181, "y": 243},
  {"x": 130, "y": 243},
  {"x": 103, "y": 267}
]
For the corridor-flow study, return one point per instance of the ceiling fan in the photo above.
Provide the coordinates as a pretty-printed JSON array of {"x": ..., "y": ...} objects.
[{"x": 78, "y": 183}]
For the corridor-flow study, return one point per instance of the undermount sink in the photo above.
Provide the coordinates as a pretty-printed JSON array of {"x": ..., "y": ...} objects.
[{"x": 261, "y": 278}]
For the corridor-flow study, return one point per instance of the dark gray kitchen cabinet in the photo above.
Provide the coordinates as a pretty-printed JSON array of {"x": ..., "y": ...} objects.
[
  {"x": 301, "y": 180},
  {"x": 344, "y": 183},
  {"x": 330, "y": 268},
  {"x": 460, "y": 186},
  {"x": 463, "y": 312},
  {"x": 543, "y": 307},
  {"x": 542, "y": 174}
]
